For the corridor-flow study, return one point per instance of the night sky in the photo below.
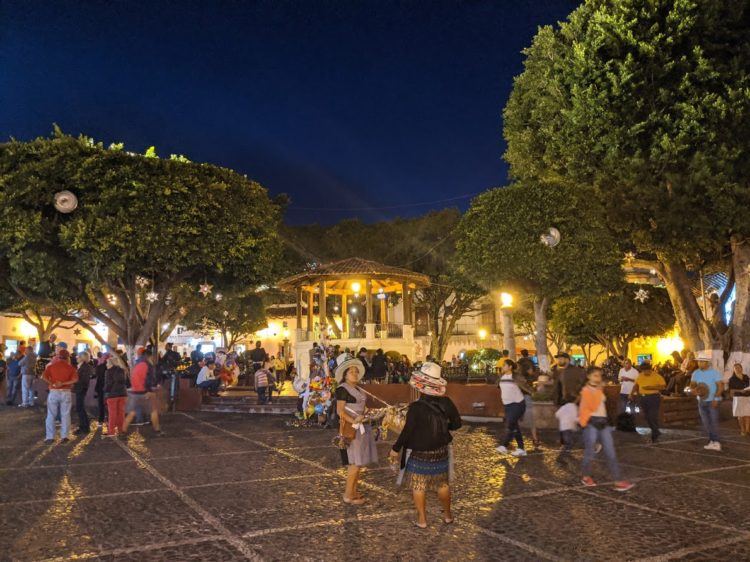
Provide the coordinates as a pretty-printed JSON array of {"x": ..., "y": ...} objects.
[{"x": 347, "y": 105}]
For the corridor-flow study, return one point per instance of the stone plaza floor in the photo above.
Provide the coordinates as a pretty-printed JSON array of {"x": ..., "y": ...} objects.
[{"x": 233, "y": 487}]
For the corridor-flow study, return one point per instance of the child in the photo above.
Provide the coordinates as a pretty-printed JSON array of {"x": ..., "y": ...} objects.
[
  {"x": 592, "y": 416},
  {"x": 567, "y": 416}
]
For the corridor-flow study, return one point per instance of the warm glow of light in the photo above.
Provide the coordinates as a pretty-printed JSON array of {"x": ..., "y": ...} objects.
[
  {"x": 482, "y": 333},
  {"x": 27, "y": 330},
  {"x": 506, "y": 300},
  {"x": 665, "y": 346},
  {"x": 356, "y": 287}
]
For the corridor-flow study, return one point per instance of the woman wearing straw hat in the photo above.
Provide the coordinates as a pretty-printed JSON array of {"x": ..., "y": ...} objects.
[
  {"x": 425, "y": 442},
  {"x": 350, "y": 406}
]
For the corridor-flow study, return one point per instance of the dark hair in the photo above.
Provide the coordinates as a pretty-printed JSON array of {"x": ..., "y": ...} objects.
[
  {"x": 511, "y": 363},
  {"x": 524, "y": 353},
  {"x": 592, "y": 369},
  {"x": 506, "y": 352},
  {"x": 210, "y": 362}
]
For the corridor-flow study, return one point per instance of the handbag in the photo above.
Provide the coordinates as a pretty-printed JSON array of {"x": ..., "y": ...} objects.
[{"x": 346, "y": 429}]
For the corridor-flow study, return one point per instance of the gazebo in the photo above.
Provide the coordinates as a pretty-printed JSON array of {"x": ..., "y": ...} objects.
[{"x": 345, "y": 295}]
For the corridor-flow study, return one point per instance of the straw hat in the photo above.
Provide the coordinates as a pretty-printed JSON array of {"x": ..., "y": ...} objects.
[
  {"x": 428, "y": 380},
  {"x": 703, "y": 356},
  {"x": 344, "y": 362}
]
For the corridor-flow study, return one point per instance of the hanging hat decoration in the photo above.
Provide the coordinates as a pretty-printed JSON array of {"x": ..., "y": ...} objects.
[{"x": 65, "y": 201}]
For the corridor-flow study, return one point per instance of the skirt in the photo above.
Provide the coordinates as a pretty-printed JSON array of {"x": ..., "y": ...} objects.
[
  {"x": 741, "y": 406},
  {"x": 362, "y": 451},
  {"x": 428, "y": 470}
]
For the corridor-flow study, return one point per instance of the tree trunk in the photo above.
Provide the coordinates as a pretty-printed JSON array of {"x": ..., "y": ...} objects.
[
  {"x": 509, "y": 336},
  {"x": 694, "y": 329},
  {"x": 740, "y": 346},
  {"x": 540, "y": 337}
]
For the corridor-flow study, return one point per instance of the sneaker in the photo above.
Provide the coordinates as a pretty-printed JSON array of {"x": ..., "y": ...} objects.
[
  {"x": 502, "y": 449},
  {"x": 519, "y": 453},
  {"x": 597, "y": 448},
  {"x": 49, "y": 441},
  {"x": 712, "y": 446},
  {"x": 588, "y": 481},
  {"x": 716, "y": 447},
  {"x": 623, "y": 486}
]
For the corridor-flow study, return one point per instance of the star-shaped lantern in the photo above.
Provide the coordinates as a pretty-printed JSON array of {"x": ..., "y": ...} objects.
[
  {"x": 218, "y": 296},
  {"x": 152, "y": 296},
  {"x": 629, "y": 256},
  {"x": 205, "y": 289},
  {"x": 641, "y": 295},
  {"x": 141, "y": 281}
]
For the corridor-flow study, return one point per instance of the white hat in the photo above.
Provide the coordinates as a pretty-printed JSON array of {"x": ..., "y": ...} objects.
[
  {"x": 344, "y": 362},
  {"x": 704, "y": 355},
  {"x": 428, "y": 380}
]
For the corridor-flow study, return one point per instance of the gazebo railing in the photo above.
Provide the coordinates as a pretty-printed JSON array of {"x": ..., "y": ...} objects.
[{"x": 390, "y": 330}]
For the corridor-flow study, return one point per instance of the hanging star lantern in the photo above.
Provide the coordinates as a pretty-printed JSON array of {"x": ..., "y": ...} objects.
[
  {"x": 641, "y": 295},
  {"x": 141, "y": 281},
  {"x": 218, "y": 297},
  {"x": 226, "y": 313},
  {"x": 183, "y": 310},
  {"x": 152, "y": 296},
  {"x": 205, "y": 289}
]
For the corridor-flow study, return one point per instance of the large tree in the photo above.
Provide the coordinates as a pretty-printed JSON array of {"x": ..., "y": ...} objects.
[
  {"x": 648, "y": 105},
  {"x": 499, "y": 245},
  {"x": 235, "y": 317},
  {"x": 146, "y": 233}
]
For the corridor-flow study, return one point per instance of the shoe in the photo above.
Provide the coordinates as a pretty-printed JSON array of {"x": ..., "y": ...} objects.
[
  {"x": 502, "y": 449},
  {"x": 519, "y": 453},
  {"x": 64, "y": 440},
  {"x": 623, "y": 486},
  {"x": 159, "y": 433},
  {"x": 588, "y": 481},
  {"x": 49, "y": 441},
  {"x": 716, "y": 447},
  {"x": 597, "y": 448}
]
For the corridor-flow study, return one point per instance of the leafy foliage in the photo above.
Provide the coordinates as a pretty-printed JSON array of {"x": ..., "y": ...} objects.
[{"x": 235, "y": 317}]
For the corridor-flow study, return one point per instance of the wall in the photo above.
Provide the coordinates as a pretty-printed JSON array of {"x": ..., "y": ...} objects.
[{"x": 16, "y": 328}]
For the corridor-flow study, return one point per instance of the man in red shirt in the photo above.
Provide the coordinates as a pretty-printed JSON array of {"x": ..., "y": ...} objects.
[
  {"x": 141, "y": 391},
  {"x": 60, "y": 376}
]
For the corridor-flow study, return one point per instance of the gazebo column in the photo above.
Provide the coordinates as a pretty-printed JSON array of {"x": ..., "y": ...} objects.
[
  {"x": 322, "y": 313},
  {"x": 383, "y": 317},
  {"x": 369, "y": 319},
  {"x": 406, "y": 299},
  {"x": 310, "y": 315},
  {"x": 344, "y": 317},
  {"x": 300, "y": 331}
]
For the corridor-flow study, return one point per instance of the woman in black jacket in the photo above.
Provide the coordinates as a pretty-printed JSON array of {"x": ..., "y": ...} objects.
[
  {"x": 424, "y": 444},
  {"x": 99, "y": 372},
  {"x": 115, "y": 390}
]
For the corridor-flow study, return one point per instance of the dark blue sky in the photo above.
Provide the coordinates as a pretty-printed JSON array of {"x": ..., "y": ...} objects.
[{"x": 341, "y": 104}]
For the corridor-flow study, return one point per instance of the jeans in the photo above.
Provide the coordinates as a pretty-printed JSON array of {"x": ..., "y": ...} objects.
[
  {"x": 58, "y": 404},
  {"x": 651, "y": 404},
  {"x": 262, "y": 398},
  {"x": 27, "y": 390},
  {"x": 83, "y": 417},
  {"x": 211, "y": 386},
  {"x": 513, "y": 414},
  {"x": 116, "y": 411},
  {"x": 14, "y": 385},
  {"x": 567, "y": 436},
  {"x": 710, "y": 418},
  {"x": 604, "y": 436}
]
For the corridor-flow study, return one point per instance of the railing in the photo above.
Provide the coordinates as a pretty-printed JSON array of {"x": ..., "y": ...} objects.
[
  {"x": 355, "y": 332},
  {"x": 391, "y": 330},
  {"x": 421, "y": 330},
  {"x": 465, "y": 373}
]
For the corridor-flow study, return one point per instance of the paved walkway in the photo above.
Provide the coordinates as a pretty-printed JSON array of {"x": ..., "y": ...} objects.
[{"x": 232, "y": 487}]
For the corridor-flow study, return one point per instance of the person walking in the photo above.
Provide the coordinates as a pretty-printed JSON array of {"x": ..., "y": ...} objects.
[
  {"x": 28, "y": 374},
  {"x": 60, "y": 375},
  {"x": 424, "y": 445},
  {"x": 708, "y": 385},
  {"x": 593, "y": 418},
  {"x": 626, "y": 376},
  {"x": 739, "y": 389},
  {"x": 13, "y": 372},
  {"x": 100, "y": 372},
  {"x": 115, "y": 392},
  {"x": 648, "y": 385},
  {"x": 140, "y": 399},
  {"x": 80, "y": 388},
  {"x": 359, "y": 439},
  {"x": 262, "y": 383},
  {"x": 514, "y": 404}
]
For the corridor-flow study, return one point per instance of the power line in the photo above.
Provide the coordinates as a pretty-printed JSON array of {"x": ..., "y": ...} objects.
[{"x": 386, "y": 208}]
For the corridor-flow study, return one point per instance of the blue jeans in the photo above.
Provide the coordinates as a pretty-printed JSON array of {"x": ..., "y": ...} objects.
[
  {"x": 27, "y": 390},
  {"x": 710, "y": 419},
  {"x": 58, "y": 405},
  {"x": 262, "y": 397},
  {"x": 604, "y": 436},
  {"x": 14, "y": 385},
  {"x": 210, "y": 385},
  {"x": 513, "y": 414},
  {"x": 651, "y": 404}
]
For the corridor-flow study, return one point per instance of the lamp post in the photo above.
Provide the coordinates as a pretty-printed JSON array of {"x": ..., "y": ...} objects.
[{"x": 509, "y": 336}]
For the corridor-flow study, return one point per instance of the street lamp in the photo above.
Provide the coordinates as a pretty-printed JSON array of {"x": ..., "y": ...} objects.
[
  {"x": 509, "y": 336},
  {"x": 482, "y": 333},
  {"x": 506, "y": 300}
]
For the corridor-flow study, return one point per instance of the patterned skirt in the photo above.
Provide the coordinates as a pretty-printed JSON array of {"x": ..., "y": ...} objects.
[{"x": 428, "y": 470}]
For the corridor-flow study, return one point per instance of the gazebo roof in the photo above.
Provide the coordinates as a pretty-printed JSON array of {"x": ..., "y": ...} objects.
[{"x": 337, "y": 276}]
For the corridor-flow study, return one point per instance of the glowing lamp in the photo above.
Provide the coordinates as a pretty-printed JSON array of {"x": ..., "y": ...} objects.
[
  {"x": 356, "y": 287},
  {"x": 482, "y": 333},
  {"x": 665, "y": 346},
  {"x": 506, "y": 300}
]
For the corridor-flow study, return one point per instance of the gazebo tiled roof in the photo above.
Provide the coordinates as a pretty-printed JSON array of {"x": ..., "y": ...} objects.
[{"x": 382, "y": 276}]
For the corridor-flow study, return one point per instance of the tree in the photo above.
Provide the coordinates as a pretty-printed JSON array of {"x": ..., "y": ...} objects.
[
  {"x": 147, "y": 231},
  {"x": 499, "y": 244},
  {"x": 648, "y": 105},
  {"x": 235, "y": 317},
  {"x": 613, "y": 320}
]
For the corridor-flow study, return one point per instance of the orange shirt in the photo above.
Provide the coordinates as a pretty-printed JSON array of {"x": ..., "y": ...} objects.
[
  {"x": 592, "y": 399},
  {"x": 60, "y": 375}
]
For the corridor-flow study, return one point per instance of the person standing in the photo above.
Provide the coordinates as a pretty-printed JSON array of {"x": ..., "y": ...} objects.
[
  {"x": 80, "y": 388},
  {"x": 379, "y": 366},
  {"x": 13, "y": 371},
  {"x": 100, "y": 372},
  {"x": 262, "y": 382},
  {"x": 648, "y": 385},
  {"x": 115, "y": 391},
  {"x": 708, "y": 385},
  {"x": 626, "y": 376},
  {"x": 424, "y": 445},
  {"x": 360, "y": 442},
  {"x": 28, "y": 374},
  {"x": 60, "y": 375},
  {"x": 279, "y": 368},
  {"x": 592, "y": 416},
  {"x": 738, "y": 385},
  {"x": 568, "y": 379},
  {"x": 567, "y": 419},
  {"x": 47, "y": 348},
  {"x": 258, "y": 356},
  {"x": 514, "y": 404}
]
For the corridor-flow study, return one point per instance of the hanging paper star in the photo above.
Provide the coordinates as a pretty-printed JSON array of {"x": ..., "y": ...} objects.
[
  {"x": 77, "y": 331},
  {"x": 629, "y": 256},
  {"x": 205, "y": 289},
  {"x": 226, "y": 313},
  {"x": 152, "y": 296},
  {"x": 183, "y": 310},
  {"x": 112, "y": 299},
  {"x": 641, "y": 295},
  {"x": 219, "y": 296},
  {"x": 141, "y": 281}
]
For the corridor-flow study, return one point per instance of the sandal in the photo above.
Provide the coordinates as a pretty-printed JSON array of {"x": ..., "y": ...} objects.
[
  {"x": 416, "y": 524},
  {"x": 354, "y": 501},
  {"x": 449, "y": 521}
]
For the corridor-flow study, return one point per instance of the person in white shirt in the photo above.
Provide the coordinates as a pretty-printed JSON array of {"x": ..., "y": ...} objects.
[
  {"x": 207, "y": 378},
  {"x": 627, "y": 377},
  {"x": 515, "y": 407},
  {"x": 567, "y": 416}
]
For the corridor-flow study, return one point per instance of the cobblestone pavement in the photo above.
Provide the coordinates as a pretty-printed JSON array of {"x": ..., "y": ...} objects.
[{"x": 233, "y": 487}]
